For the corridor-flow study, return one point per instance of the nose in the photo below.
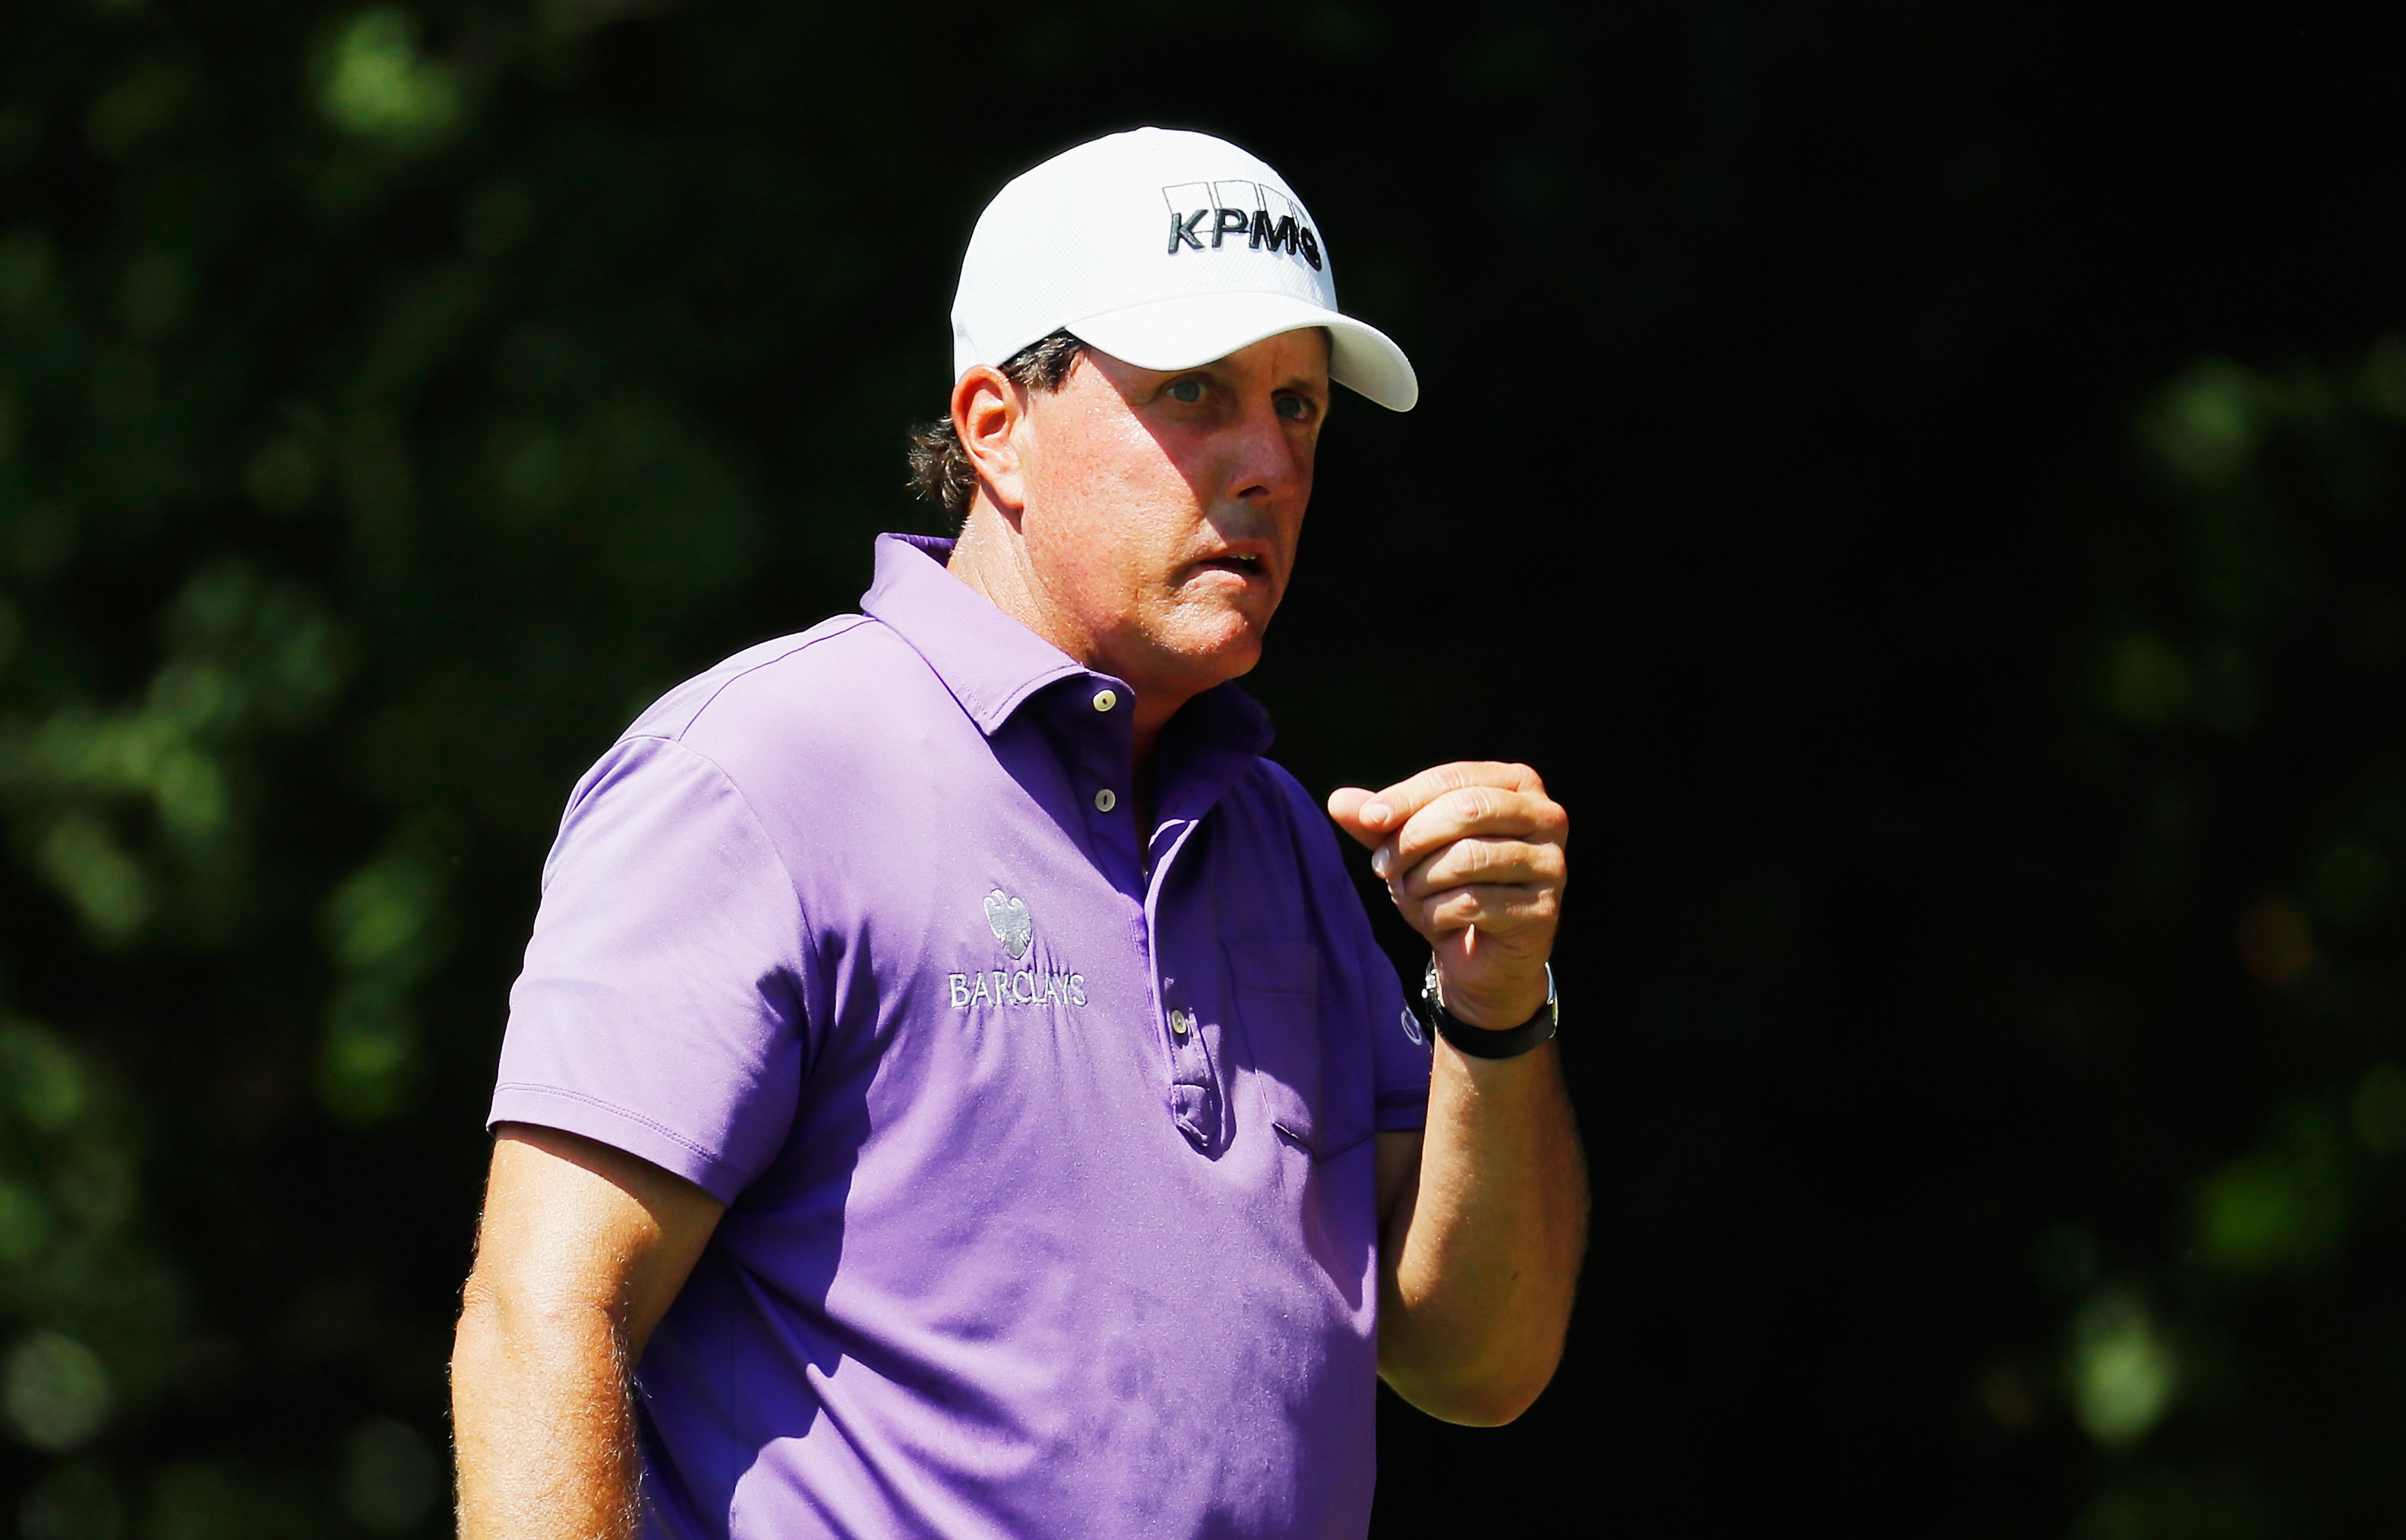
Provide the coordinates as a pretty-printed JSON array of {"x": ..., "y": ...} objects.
[{"x": 1271, "y": 462}]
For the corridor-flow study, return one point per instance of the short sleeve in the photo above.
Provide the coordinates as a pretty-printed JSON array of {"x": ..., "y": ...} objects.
[
  {"x": 1399, "y": 1050},
  {"x": 659, "y": 1009}
]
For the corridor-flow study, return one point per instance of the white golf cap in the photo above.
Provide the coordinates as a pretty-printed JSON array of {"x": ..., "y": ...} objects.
[{"x": 1164, "y": 249}]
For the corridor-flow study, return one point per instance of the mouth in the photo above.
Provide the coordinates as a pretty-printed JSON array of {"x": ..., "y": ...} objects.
[{"x": 1243, "y": 566}]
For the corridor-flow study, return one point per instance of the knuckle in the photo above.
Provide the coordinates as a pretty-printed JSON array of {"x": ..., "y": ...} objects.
[
  {"x": 1488, "y": 853},
  {"x": 1429, "y": 786}
]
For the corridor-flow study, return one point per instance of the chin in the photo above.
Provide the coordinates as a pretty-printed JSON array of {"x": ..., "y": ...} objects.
[
  {"x": 1191, "y": 647},
  {"x": 1241, "y": 664},
  {"x": 1207, "y": 662}
]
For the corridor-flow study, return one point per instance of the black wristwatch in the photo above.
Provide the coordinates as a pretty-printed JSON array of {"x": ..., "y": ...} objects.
[{"x": 1482, "y": 1043}]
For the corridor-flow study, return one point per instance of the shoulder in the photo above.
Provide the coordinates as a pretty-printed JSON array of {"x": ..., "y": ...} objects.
[
  {"x": 1274, "y": 788},
  {"x": 795, "y": 722},
  {"x": 1268, "y": 791},
  {"x": 780, "y": 716},
  {"x": 836, "y": 690},
  {"x": 793, "y": 667},
  {"x": 1274, "y": 782}
]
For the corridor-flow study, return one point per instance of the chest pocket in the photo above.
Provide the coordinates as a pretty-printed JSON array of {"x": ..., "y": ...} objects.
[{"x": 1299, "y": 1085}]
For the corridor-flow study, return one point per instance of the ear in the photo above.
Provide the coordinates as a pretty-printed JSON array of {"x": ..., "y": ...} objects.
[{"x": 990, "y": 415}]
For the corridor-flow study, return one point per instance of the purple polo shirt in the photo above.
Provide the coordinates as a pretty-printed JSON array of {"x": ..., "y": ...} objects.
[{"x": 1045, "y": 1140}]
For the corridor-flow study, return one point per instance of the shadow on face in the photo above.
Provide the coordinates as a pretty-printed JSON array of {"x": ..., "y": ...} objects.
[{"x": 1163, "y": 508}]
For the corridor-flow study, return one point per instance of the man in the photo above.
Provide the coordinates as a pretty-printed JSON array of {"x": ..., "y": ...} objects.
[{"x": 954, "y": 1090}]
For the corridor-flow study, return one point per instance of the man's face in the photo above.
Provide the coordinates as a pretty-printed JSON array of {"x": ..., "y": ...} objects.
[{"x": 1161, "y": 510}]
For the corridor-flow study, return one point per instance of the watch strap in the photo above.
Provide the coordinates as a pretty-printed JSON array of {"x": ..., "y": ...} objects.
[{"x": 1481, "y": 1042}]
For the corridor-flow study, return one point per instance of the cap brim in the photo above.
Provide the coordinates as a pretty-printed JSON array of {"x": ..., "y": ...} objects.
[{"x": 1193, "y": 330}]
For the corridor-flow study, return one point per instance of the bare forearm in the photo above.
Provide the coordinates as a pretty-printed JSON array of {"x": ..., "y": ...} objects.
[
  {"x": 545, "y": 1425},
  {"x": 1484, "y": 1247}
]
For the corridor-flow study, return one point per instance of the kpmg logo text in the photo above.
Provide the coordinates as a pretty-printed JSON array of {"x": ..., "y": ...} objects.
[{"x": 1203, "y": 215}]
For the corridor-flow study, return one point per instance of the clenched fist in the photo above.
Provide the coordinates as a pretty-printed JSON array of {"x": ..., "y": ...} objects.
[{"x": 1473, "y": 856}]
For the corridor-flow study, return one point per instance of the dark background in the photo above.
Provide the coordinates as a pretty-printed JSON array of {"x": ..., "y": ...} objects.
[{"x": 1923, "y": 483}]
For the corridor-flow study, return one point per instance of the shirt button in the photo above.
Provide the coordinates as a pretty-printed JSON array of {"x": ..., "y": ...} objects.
[
  {"x": 1106, "y": 800},
  {"x": 1179, "y": 1022},
  {"x": 1106, "y": 700}
]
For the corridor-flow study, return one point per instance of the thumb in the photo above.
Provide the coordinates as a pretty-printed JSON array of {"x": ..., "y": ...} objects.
[{"x": 1345, "y": 805}]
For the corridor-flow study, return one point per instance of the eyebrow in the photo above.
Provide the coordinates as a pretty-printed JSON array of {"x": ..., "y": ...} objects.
[{"x": 1217, "y": 369}]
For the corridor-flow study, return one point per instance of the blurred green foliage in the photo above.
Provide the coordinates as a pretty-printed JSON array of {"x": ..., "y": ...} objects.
[
  {"x": 2242, "y": 739},
  {"x": 392, "y": 399},
  {"x": 366, "y": 455}
]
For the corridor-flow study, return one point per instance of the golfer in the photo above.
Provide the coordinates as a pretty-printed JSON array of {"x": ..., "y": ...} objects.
[{"x": 954, "y": 1090}]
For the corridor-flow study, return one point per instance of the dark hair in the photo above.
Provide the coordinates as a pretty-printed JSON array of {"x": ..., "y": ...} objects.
[{"x": 940, "y": 471}]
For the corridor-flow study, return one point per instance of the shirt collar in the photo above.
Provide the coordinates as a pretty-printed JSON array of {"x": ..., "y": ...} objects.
[
  {"x": 989, "y": 661},
  {"x": 993, "y": 664}
]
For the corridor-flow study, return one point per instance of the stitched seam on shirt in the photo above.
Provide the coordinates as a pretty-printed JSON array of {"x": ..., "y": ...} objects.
[
  {"x": 856, "y": 621},
  {"x": 761, "y": 827},
  {"x": 660, "y": 1128}
]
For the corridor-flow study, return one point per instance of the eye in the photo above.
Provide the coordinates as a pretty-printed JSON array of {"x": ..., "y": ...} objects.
[
  {"x": 1293, "y": 408},
  {"x": 1188, "y": 391}
]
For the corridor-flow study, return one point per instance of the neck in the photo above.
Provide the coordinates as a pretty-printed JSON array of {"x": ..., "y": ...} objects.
[{"x": 991, "y": 559}]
